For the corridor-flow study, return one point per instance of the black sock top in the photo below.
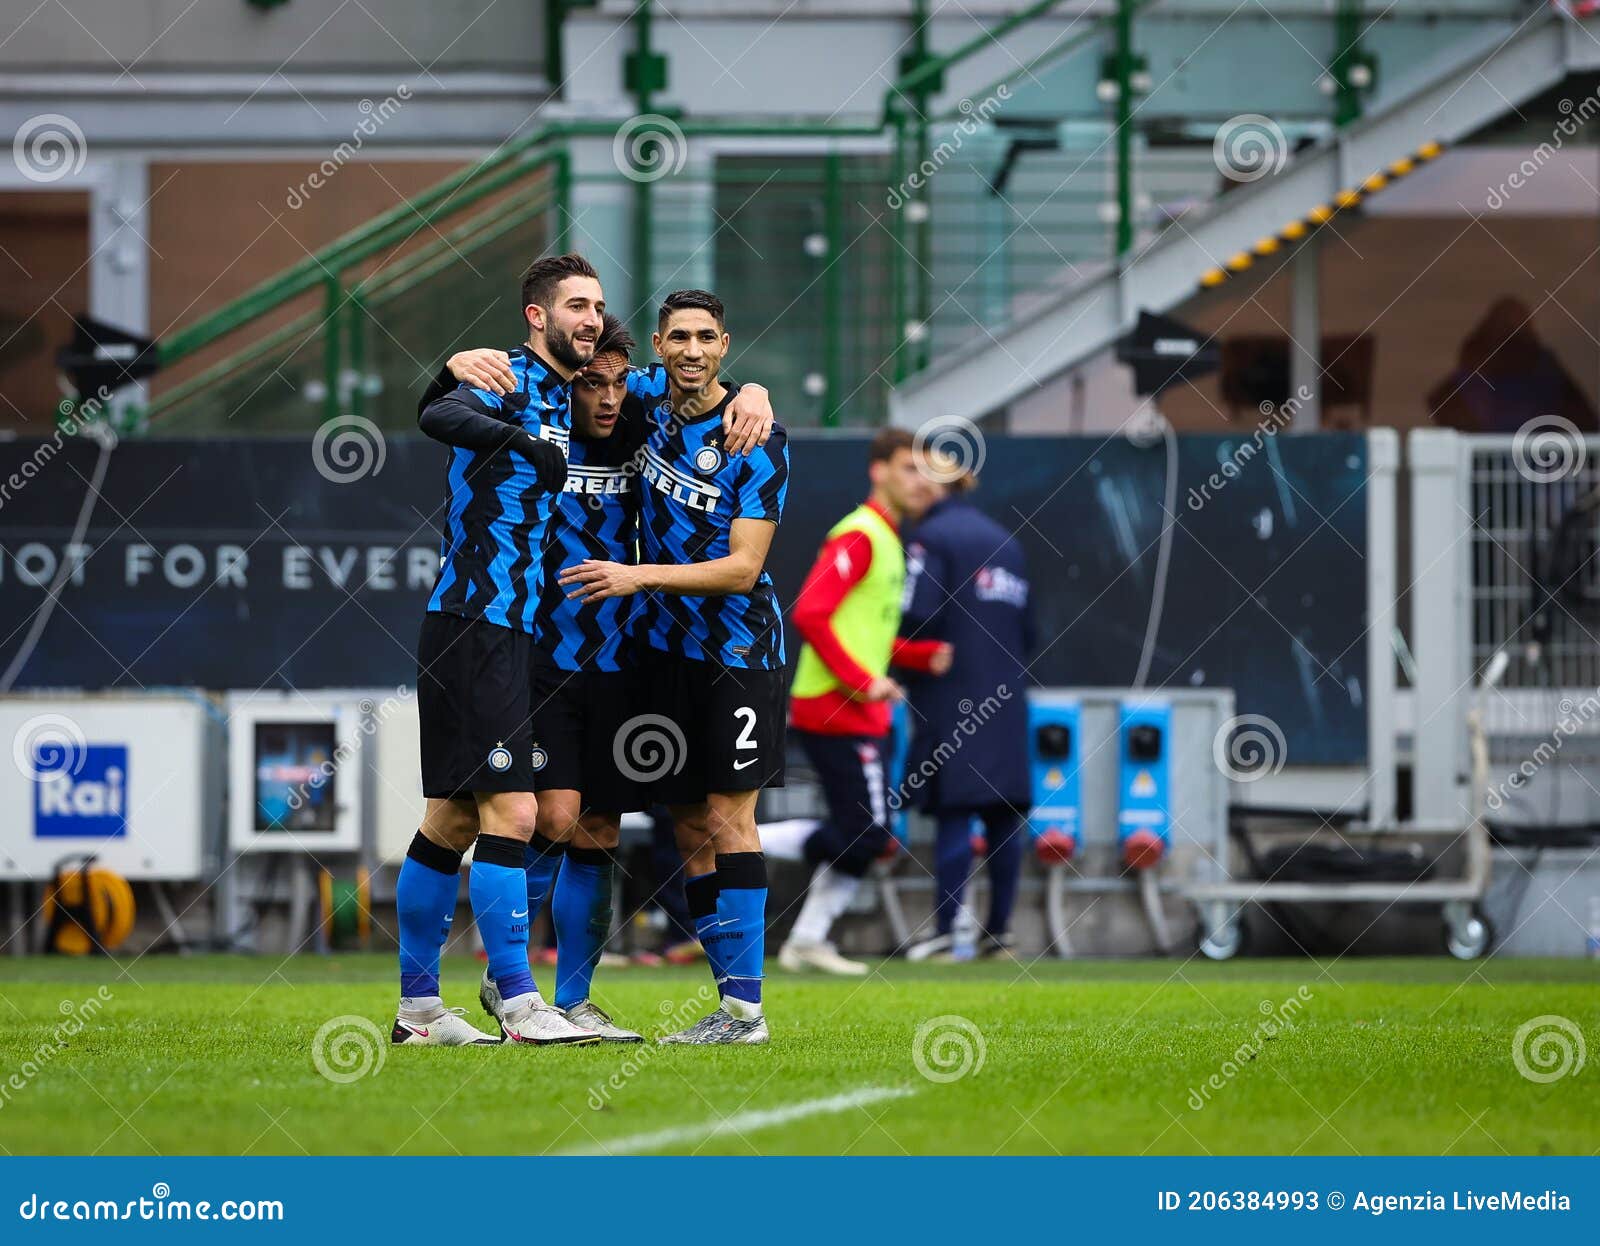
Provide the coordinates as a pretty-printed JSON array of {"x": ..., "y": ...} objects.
[
  {"x": 500, "y": 850},
  {"x": 436, "y": 857},
  {"x": 741, "y": 870}
]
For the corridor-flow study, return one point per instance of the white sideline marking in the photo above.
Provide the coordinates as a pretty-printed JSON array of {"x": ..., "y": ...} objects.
[{"x": 742, "y": 1122}]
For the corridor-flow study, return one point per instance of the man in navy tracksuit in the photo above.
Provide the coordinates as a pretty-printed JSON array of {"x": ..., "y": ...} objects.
[{"x": 967, "y": 584}]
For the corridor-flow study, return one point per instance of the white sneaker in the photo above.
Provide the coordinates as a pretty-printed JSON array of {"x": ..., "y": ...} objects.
[
  {"x": 799, "y": 957},
  {"x": 444, "y": 1027},
  {"x": 541, "y": 1025},
  {"x": 590, "y": 1016}
]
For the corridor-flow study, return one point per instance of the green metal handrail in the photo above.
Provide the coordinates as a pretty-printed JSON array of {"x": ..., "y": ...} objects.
[
  {"x": 373, "y": 291},
  {"x": 543, "y": 151}
]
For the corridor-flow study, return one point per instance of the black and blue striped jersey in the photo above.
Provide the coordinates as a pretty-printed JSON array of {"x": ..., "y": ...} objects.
[
  {"x": 691, "y": 492},
  {"x": 497, "y": 516},
  {"x": 596, "y": 516}
]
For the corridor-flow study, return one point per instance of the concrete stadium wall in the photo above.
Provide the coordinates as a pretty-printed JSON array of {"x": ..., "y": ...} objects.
[{"x": 165, "y": 35}]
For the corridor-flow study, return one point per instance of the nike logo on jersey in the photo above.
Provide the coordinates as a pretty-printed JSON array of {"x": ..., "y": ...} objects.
[
  {"x": 740, "y": 765},
  {"x": 524, "y": 913}
]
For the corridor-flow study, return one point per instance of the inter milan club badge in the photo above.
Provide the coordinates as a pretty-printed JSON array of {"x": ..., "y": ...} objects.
[
  {"x": 540, "y": 758},
  {"x": 499, "y": 759},
  {"x": 708, "y": 459}
]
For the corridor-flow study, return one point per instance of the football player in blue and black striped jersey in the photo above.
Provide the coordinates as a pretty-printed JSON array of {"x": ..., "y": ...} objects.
[
  {"x": 713, "y": 632},
  {"x": 506, "y": 464}
]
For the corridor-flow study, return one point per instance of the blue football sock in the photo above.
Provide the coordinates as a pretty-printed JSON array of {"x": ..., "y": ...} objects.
[
  {"x": 581, "y": 911},
  {"x": 541, "y": 860},
  {"x": 498, "y": 888},
  {"x": 700, "y": 890},
  {"x": 742, "y": 923},
  {"x": 425, "y": 897}
]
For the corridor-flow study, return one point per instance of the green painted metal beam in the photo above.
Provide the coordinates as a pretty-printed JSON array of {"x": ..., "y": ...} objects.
[{"x": 1124, "y": 130}]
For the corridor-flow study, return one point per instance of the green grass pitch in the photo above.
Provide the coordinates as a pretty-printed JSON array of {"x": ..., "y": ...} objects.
[{"x": 214, "y": 1055}]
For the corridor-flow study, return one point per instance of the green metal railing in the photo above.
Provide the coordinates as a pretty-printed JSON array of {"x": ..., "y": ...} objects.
[
  {"x": 845, "y": 269},
  {"x": 438, "y": 262}
]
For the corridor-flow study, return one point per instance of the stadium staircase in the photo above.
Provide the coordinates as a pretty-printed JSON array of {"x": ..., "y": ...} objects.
[{"x": 1468, "y": 84}]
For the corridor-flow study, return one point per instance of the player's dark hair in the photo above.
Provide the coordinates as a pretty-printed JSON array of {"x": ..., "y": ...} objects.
[
  {"x": 886, "y": 441},
  {"x": 544, "y": 275},
  {"x": 682, "y": 300},
  {"x": 615, "y": 338}
]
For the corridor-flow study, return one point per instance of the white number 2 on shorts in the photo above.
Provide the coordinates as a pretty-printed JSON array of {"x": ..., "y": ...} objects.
[{"x": 746, "y": 737}]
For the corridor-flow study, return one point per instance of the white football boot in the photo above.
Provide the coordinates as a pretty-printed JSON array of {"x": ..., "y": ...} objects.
[
  {"x": 533, "y": 1021},
  {"x": 590, "y": 1016},
  {"x": 541, "y": 1025},
  {"x": 437, "y": 1027}
]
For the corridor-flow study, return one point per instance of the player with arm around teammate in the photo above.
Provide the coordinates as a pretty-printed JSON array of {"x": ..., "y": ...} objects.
[
  {"x": 506, "y": 464},
  {"x": 715, "y": 667}
]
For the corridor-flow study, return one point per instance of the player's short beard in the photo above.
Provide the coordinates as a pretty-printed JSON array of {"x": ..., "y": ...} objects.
[{"x": 564, "y": 350}]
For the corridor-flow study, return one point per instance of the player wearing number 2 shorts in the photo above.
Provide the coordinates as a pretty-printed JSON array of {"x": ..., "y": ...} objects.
[{"x": 712, "y": 734}]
